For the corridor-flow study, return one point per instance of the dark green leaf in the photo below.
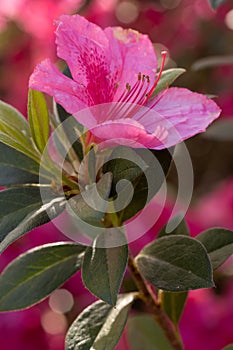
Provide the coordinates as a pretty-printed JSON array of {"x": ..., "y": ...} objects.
[
  {"x": 167, "y": 78},
  {"x": 176, "y": 263},
  {"x": 35, "y": 274},
  {"x": 38, "y": 117},
  {"x": 103, "y": 268},
  {"x": 16, "y": 168},
  {"x": 13, "y": 118},
  {"x": 22, "y": 209},
  {"x": 216, "y": 3},
  {"x": 218, "y": 243},
  {"x": 229, "y": 347},
  {"x": 181, "y": 229},
  {"x": 26, "y": 148},
  {"x": 144, "y": 171},
  {"x": 145, "y": 334},
  {"x": 14, "y": 130},
  {"x": 173, "y": 304},
  {"x": 88, "y": 208},
  {"x": 99, "y": 326}
]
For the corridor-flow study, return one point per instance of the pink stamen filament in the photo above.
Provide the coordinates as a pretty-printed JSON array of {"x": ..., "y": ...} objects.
[
  {"x": 127, "y": 97},
  {"x": 135, "y": 92},
  {"x": 164, "y": 55}
]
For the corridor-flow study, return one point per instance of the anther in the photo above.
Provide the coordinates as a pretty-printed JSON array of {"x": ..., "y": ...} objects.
[{"x": 128, "y": 87}]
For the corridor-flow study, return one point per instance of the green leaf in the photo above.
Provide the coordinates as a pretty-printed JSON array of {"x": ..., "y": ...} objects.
[
  {"x": 229, "y": 347},
  {"x": 167, "y": 78},
  {"x": 103, "y": 268},
  {"x": 138, "y": 167},
  {"x": 218, "y": 243},
  {"x": 14, "y": 118},
  {"x": 14, "y": 130},
  {"x": 216, "y": 3},
  {"x": 22, "y": 209},
  {"x": 145, "y": 334},
  {"x": 173, "y": 304},
  {"x": 25, "y": 148},
  {"x": 176, "y": 263},
  {"x": 181, "y": 229},
  {"x": 87, "y": 217},
  {"x": 99, "y": 326},
  {"x": 38, "y": 118},
  {"x": 35, "y": 274},
  {"x": 16, "y": 168}
]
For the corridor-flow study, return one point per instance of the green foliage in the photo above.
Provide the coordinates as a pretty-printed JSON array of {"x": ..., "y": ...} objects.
[
  {"x": 218, "y": 243},
  {"x": 38, "y": 117},
  {"x": 181, "y": 229},
  {"x": 35, "y": 274},
  {"x": 216, "y": 3},
  {"x": 176, "y": 263},
  {"x": 167, "y": 78},
  {"x": 16, "y": 168},
  {"x": 145, "y": 334},
  {"x": 14, "y": 131},
  {"x": 229, "y": 347},
  {"x": 99, "y": 326},
  {"x": 142, "y": 169},
  {"x": 103, "y": 268},
  {"x": 22, "y": 209},
  {"x": 93, "y": 214},
  {"x": 173, "y": 304}
]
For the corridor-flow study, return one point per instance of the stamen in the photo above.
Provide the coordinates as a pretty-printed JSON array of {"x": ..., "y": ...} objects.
[{"x": 164, "y": 55}]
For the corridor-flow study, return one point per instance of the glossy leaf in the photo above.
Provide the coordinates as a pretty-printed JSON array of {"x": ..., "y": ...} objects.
[
  {"x": 145, "y": 334},
  {"x": 103, "y": 268},
  {"x": 216, "y": 3},
  {"x": 137, "y": 167},
  {"x": 13, "y": 118},
  {"x": 173, "y": 304},
  {"x": 99, "y": 326},
  {"x": 25, "y": 148},
  {"x": 88, "y": 208},
  {"x": 14, "y": 130},
  {"x": 35, "y": 274},
  {"x": 176, "y": 263},
  {"x": 22, "y": 209},
  {"x": 218, "y": 243},
  {"x": 167, "y": 78},
  {"x": 16, "y": 168},
  {"x": 38, "y": 118},
  {"x": 181, "y": 229}
]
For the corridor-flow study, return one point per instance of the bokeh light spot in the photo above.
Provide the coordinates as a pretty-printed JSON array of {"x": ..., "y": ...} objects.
[
  {"x": 61, "y": 301},
  {"x": 229, "y": 19},
  {"x": 127, "y": 11},
  {"x": 53, "y": 323}
]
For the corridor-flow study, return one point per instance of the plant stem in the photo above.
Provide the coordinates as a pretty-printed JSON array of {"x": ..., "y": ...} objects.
[{"x": 151, "y": 301}]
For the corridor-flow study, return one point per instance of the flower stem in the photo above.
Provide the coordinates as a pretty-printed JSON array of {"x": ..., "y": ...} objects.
[{"x": 150, "y": 299}]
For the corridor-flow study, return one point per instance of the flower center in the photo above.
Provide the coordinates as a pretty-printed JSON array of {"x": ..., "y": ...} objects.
[{"x": 138, "y": 94}]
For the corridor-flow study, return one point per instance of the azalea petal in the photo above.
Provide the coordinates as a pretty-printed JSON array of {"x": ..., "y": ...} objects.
[
  {"x": 134, "y": 53},
  {"x": 47, "y": 78},
  {"x": 183, "y": 113},
  {"x": 124, "y": 132},
  {"x": 85, "y": 48}
]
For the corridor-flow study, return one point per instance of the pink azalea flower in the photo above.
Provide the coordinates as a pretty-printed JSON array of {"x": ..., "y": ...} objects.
[{"x": 116, "y": 68}]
